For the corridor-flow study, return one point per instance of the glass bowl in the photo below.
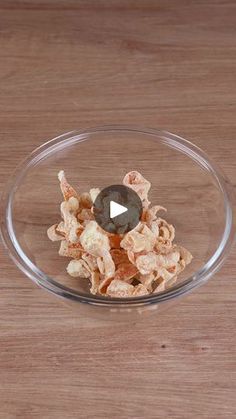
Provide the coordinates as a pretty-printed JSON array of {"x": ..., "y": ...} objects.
[{"x": 192, "y": 188}]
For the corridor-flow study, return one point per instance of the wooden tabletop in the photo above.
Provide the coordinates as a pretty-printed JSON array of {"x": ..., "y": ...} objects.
[{"x": 69, "y": 64}]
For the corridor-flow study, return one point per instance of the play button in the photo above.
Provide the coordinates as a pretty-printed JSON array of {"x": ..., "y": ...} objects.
[{"x": 117, "y": 209}]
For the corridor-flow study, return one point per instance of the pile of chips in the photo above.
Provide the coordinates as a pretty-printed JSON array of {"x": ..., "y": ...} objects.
[{"x": 143, "y": 261}]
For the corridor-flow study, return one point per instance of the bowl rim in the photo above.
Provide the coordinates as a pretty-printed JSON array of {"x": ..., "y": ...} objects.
[{"x": 42, "y": 279}]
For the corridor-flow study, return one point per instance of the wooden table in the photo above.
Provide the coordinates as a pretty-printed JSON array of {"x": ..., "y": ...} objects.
[{"x": 67, "y": 64}]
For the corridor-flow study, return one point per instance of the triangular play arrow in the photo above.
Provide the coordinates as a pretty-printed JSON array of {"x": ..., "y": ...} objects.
[{"x": 116, "y": 209}]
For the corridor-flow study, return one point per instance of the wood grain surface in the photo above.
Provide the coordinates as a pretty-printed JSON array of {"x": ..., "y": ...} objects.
[{"x": 68, "y": 64}]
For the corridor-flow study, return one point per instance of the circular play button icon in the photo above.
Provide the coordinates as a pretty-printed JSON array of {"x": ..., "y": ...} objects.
[{"x": 117, "y": 209}]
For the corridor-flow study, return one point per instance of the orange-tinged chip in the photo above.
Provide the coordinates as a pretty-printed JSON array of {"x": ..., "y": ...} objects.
[
  {"x": 69, "y": 252},
  {"x": 90, "y": 260},
  {"x": 147, "y": 280},
  {"x": 85, "y": 214},
  {"x": 104, "y": 283},
  {"x": 75, "y": 246},
  {"x": 150, "y": 214},
  {"x": 66, "y": 188},
  {"x": 119, "y": 256},
  {"x": 125, "y": 272},
  {"x": 115, "y": 240},
  {"x": 85, "y": 201},
  {"x": 139, "y": 184}
]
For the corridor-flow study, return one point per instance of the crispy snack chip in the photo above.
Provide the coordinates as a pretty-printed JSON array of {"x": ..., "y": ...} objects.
[
  {"x": 126, "y": 272},
  {"x": 150, "y": 214},
  {"x": 106, "y": 264},
  {"x": 139, "y": 184},
  {"x": 119, "y": 256},
  {"x": 85, "y": 201},
  {"x": 115, "y": 240},
  {"x": 85, "y": 214},
  {"x": 53, "y": 233},
  {"x": 91, "y": 261},
  {"x": 69, "y": 252},
  {"x": 143, "y": 261},
  {"x": 78, "y": 268},
  {"x": 94, "y": 192},
  {"x": 118, "y": 288},
  {"x": 95, "y": 281},
  {"x": 147, "y": 280},
  {"x": 66, "y": 188},
  {"x": 139, "y": 290},
  {"x": 146, "y": 263},
  {"x": 70, "y": 221},
  {"x": 94, "y": 240}
]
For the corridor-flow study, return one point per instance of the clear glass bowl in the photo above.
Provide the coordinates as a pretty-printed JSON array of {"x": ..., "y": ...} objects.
[{"x": 192, "y": 188}]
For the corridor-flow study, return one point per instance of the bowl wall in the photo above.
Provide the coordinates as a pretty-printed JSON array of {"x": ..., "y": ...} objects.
[{"x": 180, "y": 182}]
